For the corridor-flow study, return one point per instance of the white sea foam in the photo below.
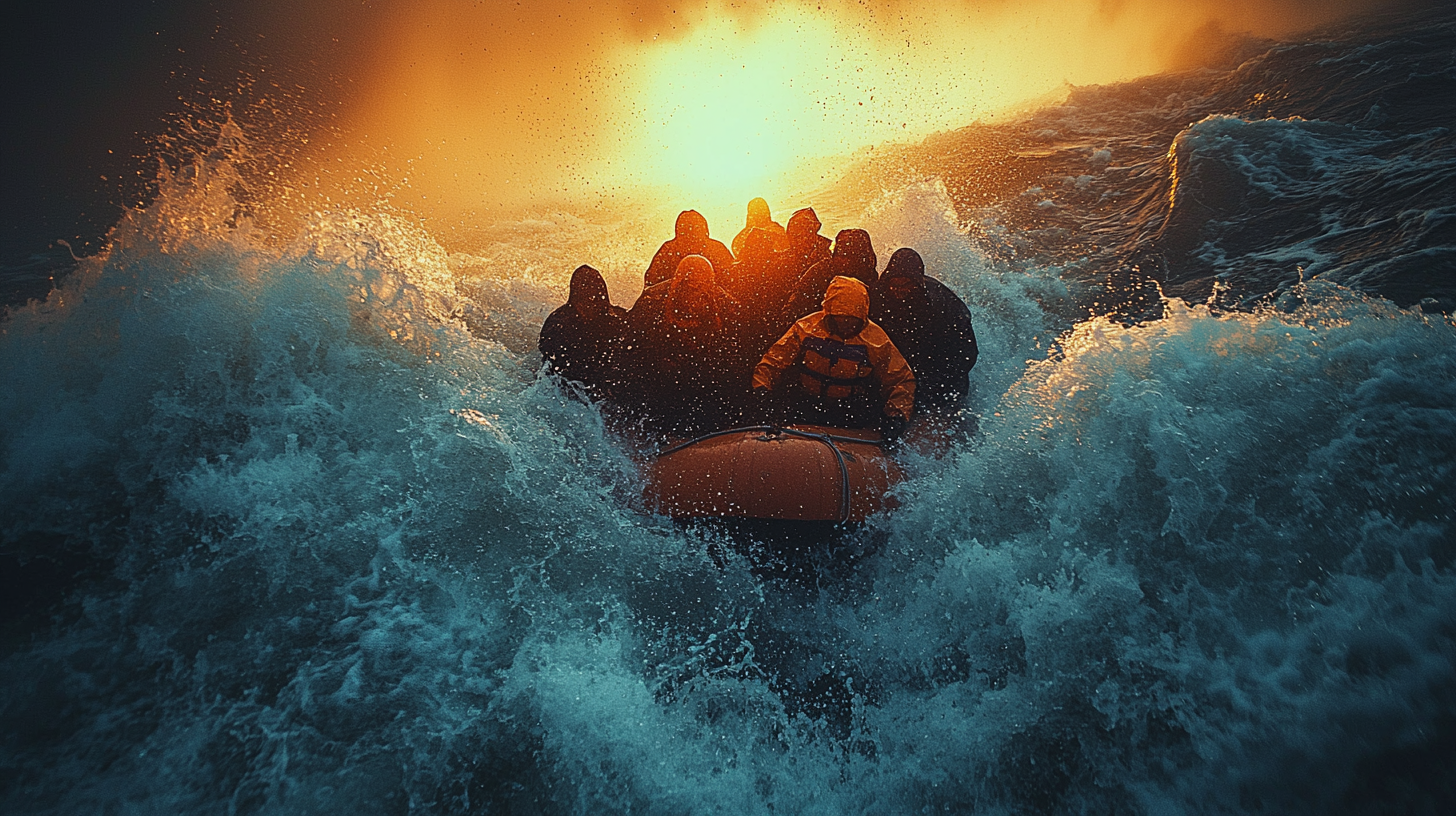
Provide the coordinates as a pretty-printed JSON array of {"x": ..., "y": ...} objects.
[{"x": 355, "y": 554}]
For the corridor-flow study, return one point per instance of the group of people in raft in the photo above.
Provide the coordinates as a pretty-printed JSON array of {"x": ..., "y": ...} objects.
[{"x": 784, "y": 327}]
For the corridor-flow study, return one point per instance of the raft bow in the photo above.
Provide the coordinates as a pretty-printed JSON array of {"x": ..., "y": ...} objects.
[{"x": 794, "y": 473}]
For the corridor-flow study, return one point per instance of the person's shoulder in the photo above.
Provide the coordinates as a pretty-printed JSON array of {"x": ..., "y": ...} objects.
[
  {"x": 559, "y": 315},
  {"x": 556, "y": 331},
  {"x": 945, "y": 300},
  {"x": 656, "y": 290},
  {"x": 810, "y": 323},
  {"x": 652, "y": 299},
  {"x": 718, "y": 248},
  {"x": 668, "y": 254},
  {"x": 937, "y": 288},
  {"x": 818, "y": 268},
  {"x": 874, "y": 335},
  {"x": 740, "y": 241}
]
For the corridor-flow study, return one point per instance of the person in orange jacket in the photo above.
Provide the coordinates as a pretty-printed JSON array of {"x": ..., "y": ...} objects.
[{"x": 837, "y": 368}]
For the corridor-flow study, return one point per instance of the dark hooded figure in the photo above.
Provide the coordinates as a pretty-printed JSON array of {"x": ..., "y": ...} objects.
[
  {"x": 582, "y": 340},
  {"x": 759, "y": 217},
  {"x": 759, "y": 292},
  {"x": 689, "y": 369},
  {"x": 690, "y": 238},
  {"x": 931, "y": 326},
  {"x": 853, "y": 257},
  {"x": 806, "y": 248}
]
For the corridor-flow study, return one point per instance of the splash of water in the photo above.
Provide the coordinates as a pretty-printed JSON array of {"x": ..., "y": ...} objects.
[{"x": 346, "y": 549}]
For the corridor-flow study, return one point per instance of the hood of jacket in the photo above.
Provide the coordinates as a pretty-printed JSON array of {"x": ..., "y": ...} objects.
[
  {"x": 905, "y": 263},
  {"x": 758, "y": 245},
  {"x": 691, "y": 224},
  {"x": 588, "y": 292},
  {"x": 855, "y": 255},
  {"x": 694, "y": 300},
  {"x": 758, "y": 214},
  {"x": 847, "y": 296},
  {"x": 697, "y": 268},
  {"x": 802, "y": 224}
]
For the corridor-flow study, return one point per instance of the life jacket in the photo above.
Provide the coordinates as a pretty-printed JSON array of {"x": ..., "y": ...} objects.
[
  {"x": 832, "y": 368},
  {"x": 836, "y": 368}
]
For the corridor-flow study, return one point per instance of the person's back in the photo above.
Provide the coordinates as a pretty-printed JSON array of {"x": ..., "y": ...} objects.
[
  {"x": 688, "y": 364},
  {"x": 759, "y": 217},
  {"x": 836, "y": 367},
  {"x": 806, "y": 248},
  {"x": 690, "y": 237},
  {"x": 931, "y": 326},
  {"x": 582, "y": 339},
  {"x": 759, "y": 293},
  {"x": 853, "y": 257}
]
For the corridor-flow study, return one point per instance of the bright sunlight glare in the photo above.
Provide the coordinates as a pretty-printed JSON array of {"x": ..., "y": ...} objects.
[
  {"x": 478, "y": 109},
  {"x": 726, "y": 113}
]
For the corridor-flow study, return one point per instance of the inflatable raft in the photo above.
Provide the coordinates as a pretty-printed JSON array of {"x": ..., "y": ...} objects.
[{"x": 794, "y": 473}]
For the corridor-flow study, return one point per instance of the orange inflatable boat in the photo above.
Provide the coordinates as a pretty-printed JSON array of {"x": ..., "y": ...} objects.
[{"x": 794, "y": 473}]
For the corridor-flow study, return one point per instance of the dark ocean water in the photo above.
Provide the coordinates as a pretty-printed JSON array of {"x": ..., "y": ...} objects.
[
  {"x": 1330, "y": 158},
  {"x": 298, "y": 528}
]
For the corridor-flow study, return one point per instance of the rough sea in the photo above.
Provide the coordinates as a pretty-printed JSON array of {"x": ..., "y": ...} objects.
[{"x": 300, "y": 527}]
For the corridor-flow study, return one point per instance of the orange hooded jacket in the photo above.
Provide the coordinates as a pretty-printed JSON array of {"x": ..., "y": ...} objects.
[{"x": 835, "y": 367}]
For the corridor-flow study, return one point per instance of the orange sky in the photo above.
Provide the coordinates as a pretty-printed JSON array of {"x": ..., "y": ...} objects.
[{"x": 479, "y": 108}]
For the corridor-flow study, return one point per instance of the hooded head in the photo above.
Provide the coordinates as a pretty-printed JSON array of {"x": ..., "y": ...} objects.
[
  {"x": 847, "y": 297},
  {"x": 693, "y": 300},
  {"x": 698, "y": 268},
  {"x": 905, "y": 263},
  {"x": 692, "y": 225},
  {"x": 758, "y": 244},
  {"x": 588, "y": 292},
  {"x": 803, "y": 225},
  {"x": 904, "y": 276},
  {"x": 856, "y": 255},
  {"x": 846, "y": 307},
  {"x": 758, "y": 214}
]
